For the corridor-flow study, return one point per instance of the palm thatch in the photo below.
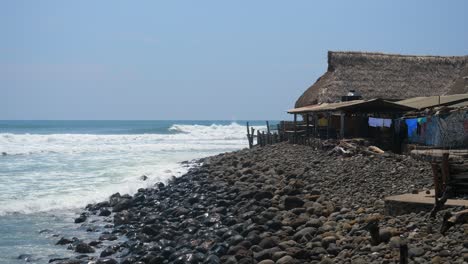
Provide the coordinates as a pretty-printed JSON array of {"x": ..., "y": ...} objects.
[{"x": 387, "y": 76}]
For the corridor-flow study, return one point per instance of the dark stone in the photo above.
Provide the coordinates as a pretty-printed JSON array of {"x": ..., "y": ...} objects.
[
  {"x": 107, "y": 252},
  {"x": 80, "y": 219},
  {"x": 105, "y": 212},
  {"x": 212, "y": 259},
  {"x": 291, "y": 202},
  {"x": 110, "y": 237},
  {"x": 63, "y": 241},
  {"x": 84, "y": 248},
  {"x": 121, "y": 205},
  {"x": 263, "y": 195},
  {"x": 106, "y": 261}
]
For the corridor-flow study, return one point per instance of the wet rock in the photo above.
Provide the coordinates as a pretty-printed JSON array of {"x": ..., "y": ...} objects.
[
  {"x": 106, "y": 261},
  {"x": 105, "y": 212},
  {"x": 64, "y": 241},
  {"x": 84, "y": 248},
  {"x": 81, "y": 218}
]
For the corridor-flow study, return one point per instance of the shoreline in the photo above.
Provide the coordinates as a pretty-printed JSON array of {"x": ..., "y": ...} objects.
[{"x": 277, "y": 204}]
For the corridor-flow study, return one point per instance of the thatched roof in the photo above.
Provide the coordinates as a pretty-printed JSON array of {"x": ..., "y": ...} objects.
[{"x": 387, "y": 76}]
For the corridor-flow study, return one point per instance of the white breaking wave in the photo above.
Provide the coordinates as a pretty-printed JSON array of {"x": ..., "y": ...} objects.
[
  {"x": 57, "y": 171},
  {"x": 194, "y": 137}
]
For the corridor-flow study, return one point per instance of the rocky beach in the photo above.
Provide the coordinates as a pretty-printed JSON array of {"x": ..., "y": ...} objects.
[{"x": 281, "y": 204}]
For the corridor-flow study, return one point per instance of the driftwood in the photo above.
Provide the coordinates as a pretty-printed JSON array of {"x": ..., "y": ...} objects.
[
  {"x": 453, "y": 219},
  {"x": 371, "y": 150},
  {"x": 376, "y": 149}
]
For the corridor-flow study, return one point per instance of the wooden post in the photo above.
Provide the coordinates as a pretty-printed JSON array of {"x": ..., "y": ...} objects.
[
  {"x": 435, "y": 174},
  {"x": 259, "y": 140},
  {"x": 445, "y": 171},
  {"x": 328, "y": 125},
  {"x": 342, "y": 124},
  {"x": 252, "y": 134},
  {"x": 268, "y": 133},
  {"x": 295, "y": 128},
  {"x": 307, "y": 126},
  {"x": 315, "y": 125},
  {"x": 403, "y": 252},
  {"x": 248, "y": 136}
]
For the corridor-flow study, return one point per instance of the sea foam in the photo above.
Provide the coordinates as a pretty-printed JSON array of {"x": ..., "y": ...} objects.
[{"x": 43, "y": 172}]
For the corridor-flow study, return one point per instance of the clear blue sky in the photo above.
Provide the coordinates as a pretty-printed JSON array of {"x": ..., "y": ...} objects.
[{"x": 197, "y": 59}]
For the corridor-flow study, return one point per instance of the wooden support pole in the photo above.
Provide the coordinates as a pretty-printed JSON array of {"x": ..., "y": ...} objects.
[
  {"x": 435, "y": 174},
  {"x": 342, "y": 124},
  {"x": 315, "y": 125},
  {"x": 307, "y": 125},
  {"x": 445, "y": 171},
  {"x": 295, "y": 128},
  {"x": 328, "y": 125}
]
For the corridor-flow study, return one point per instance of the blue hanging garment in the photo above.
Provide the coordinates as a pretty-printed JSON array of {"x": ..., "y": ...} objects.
[{"x": 412, "y": 125}]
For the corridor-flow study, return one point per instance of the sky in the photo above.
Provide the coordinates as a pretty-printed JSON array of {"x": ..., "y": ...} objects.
[{"x": 198, "y": 60}]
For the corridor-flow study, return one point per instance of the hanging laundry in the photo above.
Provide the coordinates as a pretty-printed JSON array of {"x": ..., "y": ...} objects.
[
  {"x": 379, "y": 122},
  {"x": 387, "y": 122},
  {"x": 412, "y": 125},
  {"x": 375, "y": 122}
]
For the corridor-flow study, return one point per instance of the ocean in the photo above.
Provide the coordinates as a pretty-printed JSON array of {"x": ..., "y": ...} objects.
[{"x": 50, "y": 170}]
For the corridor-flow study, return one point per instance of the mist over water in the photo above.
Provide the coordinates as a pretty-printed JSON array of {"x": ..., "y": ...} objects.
[{"x": 51, "y": 169}]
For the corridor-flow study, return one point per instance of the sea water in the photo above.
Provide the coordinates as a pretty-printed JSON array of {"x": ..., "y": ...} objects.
[{"x": 50, "y": 170}]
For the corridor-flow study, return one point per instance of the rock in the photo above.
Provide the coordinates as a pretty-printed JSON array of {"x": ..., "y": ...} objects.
[
  {"x": 121, "y": 205},
  {"x": 267, "y": 242},
  {"x": 63, "y": 241},
  {"x": 305, "y": 234},
  {"x": 265, "y": 254},
  {"x": 291, "y": 202},
  {"x": 285, "y": 260},
  {"x": 395, "y": 242},
  {"x": 263, "y": 195},
  {"x": 106, "y": 261},
  {"x": 107, "y": 252},
  {"x": 80, "y": 219},
  {"x": 84, "y": 248},
  {"x": 266, "y": 261},
  {"x": 105, "y": 212},
  {"x": 415, "y": 252},
  {"x": 328, "y": 240},
  {"x": 110, "y": 237}
]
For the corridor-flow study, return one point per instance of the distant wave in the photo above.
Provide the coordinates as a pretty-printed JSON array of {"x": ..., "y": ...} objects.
[{"x": 180, "y": 137}]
